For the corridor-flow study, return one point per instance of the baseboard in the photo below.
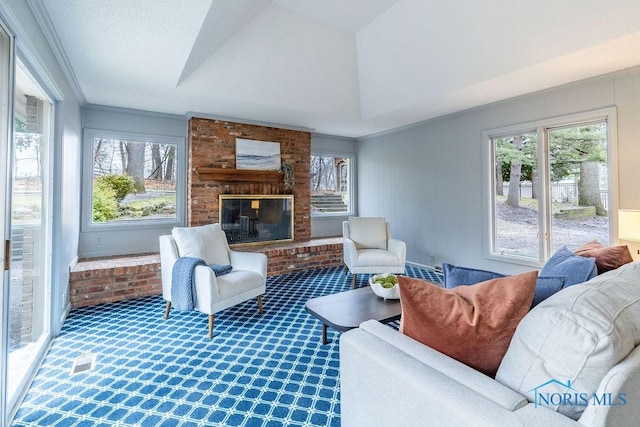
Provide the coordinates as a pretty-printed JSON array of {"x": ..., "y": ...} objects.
[{"x": 436, "y": 268}]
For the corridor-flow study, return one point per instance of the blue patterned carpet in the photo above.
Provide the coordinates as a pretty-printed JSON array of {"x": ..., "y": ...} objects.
[{"x": 269, "y": 370}]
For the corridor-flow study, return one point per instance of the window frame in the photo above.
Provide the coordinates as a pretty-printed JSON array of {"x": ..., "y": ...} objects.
[
  {"x": 88, "y": 225},
  {"x": 351, "y": 183},
  {"x": 541, "y": 128}
]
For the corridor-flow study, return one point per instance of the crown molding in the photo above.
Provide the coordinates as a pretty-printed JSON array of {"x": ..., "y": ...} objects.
[{"x": 46, "y": 26}]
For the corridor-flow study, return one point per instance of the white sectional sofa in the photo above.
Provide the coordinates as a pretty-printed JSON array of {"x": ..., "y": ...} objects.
[{"x": 578, "y": 346}]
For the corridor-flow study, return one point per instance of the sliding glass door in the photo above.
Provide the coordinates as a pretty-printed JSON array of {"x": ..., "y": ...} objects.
[
  {"x": 6, "y": 97},
  {"x": 25, "y": 198}
]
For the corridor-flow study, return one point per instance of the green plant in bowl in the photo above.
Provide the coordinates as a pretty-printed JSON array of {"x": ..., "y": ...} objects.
[{"x": 387, "y": 281}]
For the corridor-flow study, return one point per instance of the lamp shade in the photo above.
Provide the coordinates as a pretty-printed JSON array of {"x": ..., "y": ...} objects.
[
  {"x": 629, "y": 224},
  {"x": 255, "y": 204}
]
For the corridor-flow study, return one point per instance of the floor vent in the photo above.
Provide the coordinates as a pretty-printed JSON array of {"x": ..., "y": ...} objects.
[{"x": 83, "y": 363}]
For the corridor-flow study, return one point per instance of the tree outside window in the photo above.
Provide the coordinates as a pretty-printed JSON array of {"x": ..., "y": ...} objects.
[{"x": 539, "y": 208}]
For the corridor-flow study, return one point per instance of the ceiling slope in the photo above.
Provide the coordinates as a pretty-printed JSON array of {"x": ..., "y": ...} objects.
[{"x": 343, "y": 67}]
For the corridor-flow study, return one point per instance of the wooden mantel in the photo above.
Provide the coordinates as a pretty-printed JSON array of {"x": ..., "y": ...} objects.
[
  {"x": 238, "y": 175},
  {"x": 243, "y": 175}
]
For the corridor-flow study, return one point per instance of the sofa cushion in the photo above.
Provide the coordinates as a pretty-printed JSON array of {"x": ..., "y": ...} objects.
[
  {"x": 607, "y": 257},
  {"x": 473, "y": 324},
  {"x": 576, "y": 335},
  {"x": 576, "y": 268},
  {"x": 456, "y": 276},
  {"x": 207, "y": 242},
  {"x": 368, "y": 232}
]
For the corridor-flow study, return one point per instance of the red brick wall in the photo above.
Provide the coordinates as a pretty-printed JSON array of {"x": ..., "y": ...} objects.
[
  {"x": 101, "y": 280},
  {"x": 289, "y": 257},
  {"x": 212, "y": 143}
]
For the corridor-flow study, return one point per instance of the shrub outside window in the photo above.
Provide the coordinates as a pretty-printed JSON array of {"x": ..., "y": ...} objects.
[
  {"x": 132, "y": 179},
  {"x": 330, "y": 185}
]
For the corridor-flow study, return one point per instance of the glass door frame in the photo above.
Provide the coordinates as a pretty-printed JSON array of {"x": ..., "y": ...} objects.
[
  {"x": 6, "y": 138},
  {"x": 12, "y": 51},
  {"x": 23, "y": 66}
]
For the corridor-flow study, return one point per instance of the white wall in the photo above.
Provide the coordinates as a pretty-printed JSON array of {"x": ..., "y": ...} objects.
[
  {"x": 139, "y": 240},
  {"x": 66, "y": 185},
  {"x": 426, "y": 179},
  {"x": 335, "y": 145}
]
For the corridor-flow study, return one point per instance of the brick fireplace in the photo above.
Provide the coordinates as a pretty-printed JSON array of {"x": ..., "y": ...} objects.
[{"x": 212, "y": 144}]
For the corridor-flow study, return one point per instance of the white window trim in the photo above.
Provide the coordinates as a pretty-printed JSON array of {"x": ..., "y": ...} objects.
[
  {"x": 87, "y": 181},
  {"x": 352, "y": 166},
  {"x": 540, "y": 127}
]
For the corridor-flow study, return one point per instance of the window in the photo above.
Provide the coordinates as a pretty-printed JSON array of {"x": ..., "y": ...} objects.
[
  {"x": 550, "y": 186},
  {"x": 330, "y": 185},
  {"x": 132, "y": 179}
]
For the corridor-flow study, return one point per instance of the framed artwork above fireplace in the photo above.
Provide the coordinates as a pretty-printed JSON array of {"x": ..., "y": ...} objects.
[{"x": 256, "y": 219}]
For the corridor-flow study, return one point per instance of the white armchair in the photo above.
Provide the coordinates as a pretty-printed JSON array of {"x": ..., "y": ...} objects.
[
  {"x": 246, "y": 280},
  {"x": 369, "y": 248}
]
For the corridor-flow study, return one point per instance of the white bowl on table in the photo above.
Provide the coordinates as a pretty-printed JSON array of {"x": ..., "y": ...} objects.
[{"x": 386, "y": 293}]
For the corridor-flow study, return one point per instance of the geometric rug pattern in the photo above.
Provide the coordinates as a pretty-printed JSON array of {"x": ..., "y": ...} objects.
[{"x": 258, "y": 370}]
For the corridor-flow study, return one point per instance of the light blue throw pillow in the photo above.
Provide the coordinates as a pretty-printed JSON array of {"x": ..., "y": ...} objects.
[
  {"x": 456, "y": 276},
  {"x": 576, "y": 268}
]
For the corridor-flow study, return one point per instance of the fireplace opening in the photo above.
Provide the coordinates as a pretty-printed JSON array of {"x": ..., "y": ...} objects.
[{"x": 256, "y": 219}]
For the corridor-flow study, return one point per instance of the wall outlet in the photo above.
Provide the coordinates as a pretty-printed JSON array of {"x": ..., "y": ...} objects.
[{"x": 99, "y": 240}]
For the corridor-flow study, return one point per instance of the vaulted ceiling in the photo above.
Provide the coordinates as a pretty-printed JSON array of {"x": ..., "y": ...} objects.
[{"x": 342, "y": 67}]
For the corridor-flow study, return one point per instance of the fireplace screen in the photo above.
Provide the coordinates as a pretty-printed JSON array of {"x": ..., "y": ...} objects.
[{"x": 256, "y": 219}]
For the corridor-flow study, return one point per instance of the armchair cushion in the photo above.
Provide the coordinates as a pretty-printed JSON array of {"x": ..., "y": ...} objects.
[
  {"x": 472, "y": 324},
  {"x": 207, "y": 242},
  {"x": 368, "y": 232}
]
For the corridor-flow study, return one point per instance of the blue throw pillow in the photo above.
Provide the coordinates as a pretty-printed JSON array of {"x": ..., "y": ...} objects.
[
  {"x": 576, "y": 268},
  {"x": 547, "y": 286},
  {"x": 456, "y": 276}
]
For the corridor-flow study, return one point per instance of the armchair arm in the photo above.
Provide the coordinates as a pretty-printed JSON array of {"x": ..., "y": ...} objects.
[
  {"x": 251, "y": 261},
  {"x": 399, "y": 248},
  {"x": 350, "y": 252},
  {"x": 168, "y": 257},
  {"x": 207, "y": 290}
]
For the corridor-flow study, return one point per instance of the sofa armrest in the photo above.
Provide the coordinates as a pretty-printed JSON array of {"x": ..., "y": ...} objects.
[
  {"x": 382, "y": 386},
  {"x": 453, "y": 369}
]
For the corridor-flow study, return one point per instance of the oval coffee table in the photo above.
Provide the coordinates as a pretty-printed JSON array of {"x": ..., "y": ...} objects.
[{"x": 347, "y": 310}]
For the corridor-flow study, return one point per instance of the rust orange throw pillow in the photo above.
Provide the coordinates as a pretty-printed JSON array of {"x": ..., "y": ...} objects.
[
  {"x": 472, "y": 324},
  {"x": 607, "y": 257}
]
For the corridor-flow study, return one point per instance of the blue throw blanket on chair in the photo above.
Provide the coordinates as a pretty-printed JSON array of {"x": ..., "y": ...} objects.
[
  {"x": 182, "y": 283},
  {"x": 220, "y": 270}
]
